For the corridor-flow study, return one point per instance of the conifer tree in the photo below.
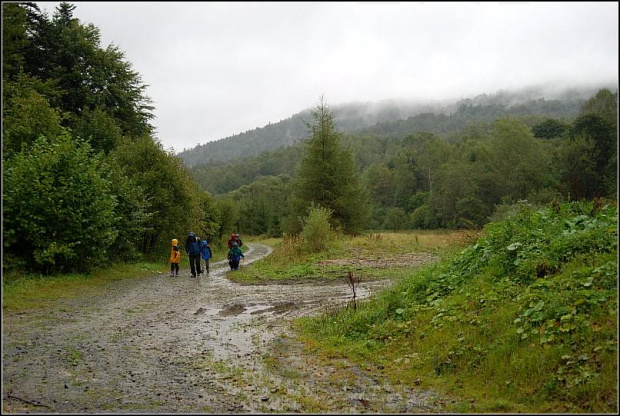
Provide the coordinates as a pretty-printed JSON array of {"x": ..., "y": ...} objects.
[{"x": 328, "y": 176}]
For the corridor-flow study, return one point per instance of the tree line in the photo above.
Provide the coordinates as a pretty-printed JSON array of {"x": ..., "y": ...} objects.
[{"x": 374, "y": 143}]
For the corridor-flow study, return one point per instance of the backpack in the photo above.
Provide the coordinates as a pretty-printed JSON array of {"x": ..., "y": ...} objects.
[
  {"x": 194, "y": 248},
  {"x": 205, "y": 251}
]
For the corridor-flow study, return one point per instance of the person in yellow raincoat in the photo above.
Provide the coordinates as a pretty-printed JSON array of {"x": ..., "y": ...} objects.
[{"x": 175, "y": 258}]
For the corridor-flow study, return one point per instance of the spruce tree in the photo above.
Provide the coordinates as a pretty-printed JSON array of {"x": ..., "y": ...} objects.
[{"x": 328, "y": 176}]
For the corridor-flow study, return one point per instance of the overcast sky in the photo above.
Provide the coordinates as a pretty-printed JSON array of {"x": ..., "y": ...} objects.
[{"x": 215, "y": 69}]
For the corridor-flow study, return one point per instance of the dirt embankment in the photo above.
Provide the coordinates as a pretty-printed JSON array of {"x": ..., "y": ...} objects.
[{"x": 189, "y": 345}]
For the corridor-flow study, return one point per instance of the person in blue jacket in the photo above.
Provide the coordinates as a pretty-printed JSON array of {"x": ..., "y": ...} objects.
[
  {"x": 192, "y": 248},
  {"x": 206, "y": 254}
]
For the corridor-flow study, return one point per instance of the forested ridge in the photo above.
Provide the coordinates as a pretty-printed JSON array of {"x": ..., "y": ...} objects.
[
  {"x": 446, "y": 171},
  {"x": 394, "y": 118},
  {"x": 294, "y": 129},
  {"x": 282, "y": 160}
]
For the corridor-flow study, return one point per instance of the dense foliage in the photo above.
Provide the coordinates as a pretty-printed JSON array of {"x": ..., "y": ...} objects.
[
  {"x": 85, "y": 181},
  {"x": 527, "y": 314},
  {"x": 58, "y": 206}
]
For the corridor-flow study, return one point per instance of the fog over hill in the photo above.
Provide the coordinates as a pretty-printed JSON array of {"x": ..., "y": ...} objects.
[{"x": 366, "y": 115}]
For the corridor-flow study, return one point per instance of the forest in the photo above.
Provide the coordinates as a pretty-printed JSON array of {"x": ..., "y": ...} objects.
[
  {"x": 87, "y": 182},
  {"x": 395, "y": 118}
]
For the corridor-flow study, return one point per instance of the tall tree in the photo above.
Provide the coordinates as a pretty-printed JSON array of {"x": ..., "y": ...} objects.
[
  {"x": 517, "y": 160},
  {"x": 588, "y": 160},
  {"x": 328, "y": 176},
  {"x": 167, "y": 186}
]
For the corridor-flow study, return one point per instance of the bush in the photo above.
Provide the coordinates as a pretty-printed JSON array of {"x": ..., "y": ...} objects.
[
  {"x": 423, "y": 218},
  {"x": 317, "y": 232},
  {"x": 395, "y": 219},
  {"x": 58, "y": 207}
]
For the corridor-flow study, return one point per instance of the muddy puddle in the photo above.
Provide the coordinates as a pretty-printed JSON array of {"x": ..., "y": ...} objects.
[{"x": 165, "y": 344}]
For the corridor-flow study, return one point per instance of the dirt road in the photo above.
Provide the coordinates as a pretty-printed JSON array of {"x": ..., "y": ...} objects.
[{"x": 161, "y": 344}]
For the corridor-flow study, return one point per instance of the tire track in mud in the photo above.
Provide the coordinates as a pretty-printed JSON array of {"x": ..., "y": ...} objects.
[{"x": 190, "y": 345}]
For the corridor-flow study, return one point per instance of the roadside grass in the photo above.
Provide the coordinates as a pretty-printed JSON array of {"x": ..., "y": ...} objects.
[
  {"x": 524, "y": 320},
  {"x": 34, "y": 291},
  {"x": 289, "y": 262}
]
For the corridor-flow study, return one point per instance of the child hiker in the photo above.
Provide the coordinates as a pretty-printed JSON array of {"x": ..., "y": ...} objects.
[
  {"x": 205, "y": 252},
  {"x": 234, "y": 256},
  {"x": 175, "y": 257}
]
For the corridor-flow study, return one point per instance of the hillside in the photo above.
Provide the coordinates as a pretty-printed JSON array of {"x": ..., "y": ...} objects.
[
  {"x": 394, "y": 118},
  {"x": 349, "y": 117},
  {"x": 221, "y": 176}
]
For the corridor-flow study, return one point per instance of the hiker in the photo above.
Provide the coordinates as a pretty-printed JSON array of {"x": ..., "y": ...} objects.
[
  {"x": 234, "y": 256},
  {"x": 206, "y": 254},
  {"x": 175, "y": 258},
  {"x": 231, "y": 240},
  {"x": 234, "y": 238},
  {"x": 192, "y": 249}
]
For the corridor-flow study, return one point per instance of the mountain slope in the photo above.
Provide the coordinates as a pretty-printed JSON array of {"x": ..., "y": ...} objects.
[
  {"x": 393, "y": 118},
  {"x": 349, "y": 117}
]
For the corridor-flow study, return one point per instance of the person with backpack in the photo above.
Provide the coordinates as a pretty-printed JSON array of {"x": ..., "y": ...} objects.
[
  {"x": 192, "y": 248},
  {"x": 175, "y": 258},
  {"x": 234, "y": 256},
  {"x": 206, "y": 254},
  {"x": 234, "y": 238},
  {"x": 231, "y": 240}
]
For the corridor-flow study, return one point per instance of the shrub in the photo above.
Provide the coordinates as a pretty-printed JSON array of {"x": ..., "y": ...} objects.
[
  {"x": 317, "y": 232},
  {"x": 58, "y": 207}
]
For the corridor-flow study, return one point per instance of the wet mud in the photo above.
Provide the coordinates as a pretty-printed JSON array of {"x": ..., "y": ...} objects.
[{"x": 161, "y": 344}]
